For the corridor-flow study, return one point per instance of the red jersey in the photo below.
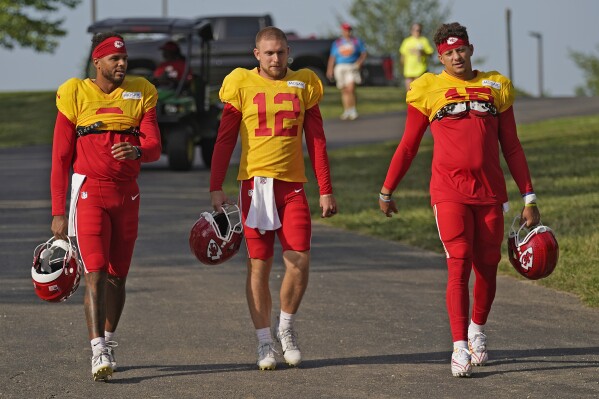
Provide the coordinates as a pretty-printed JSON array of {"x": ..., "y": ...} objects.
[
  {"x": 466, "y": 166},
  {"x": 83, "y": 103}
]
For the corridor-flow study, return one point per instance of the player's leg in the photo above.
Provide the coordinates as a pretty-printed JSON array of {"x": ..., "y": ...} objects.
[
  {"x": 487, "y": 254},
  {"x": 455, "y": 223},
  {"x": 295, "y": 236},
  {"x": 93, "y": 239},
  {"x": 260, "y": 248}
]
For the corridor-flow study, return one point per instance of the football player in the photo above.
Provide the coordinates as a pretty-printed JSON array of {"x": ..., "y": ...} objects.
[
  {"x": 105, "y": 128},
  {"x": 270, "y": 107},
  {"x": 470, "y": 114}
]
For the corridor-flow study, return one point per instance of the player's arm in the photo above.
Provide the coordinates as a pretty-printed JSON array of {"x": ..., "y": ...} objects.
[
  {"x": 63, "y": 150},
  {"x": 516, "y": 161},
  {"x": 317, "y": 150},
  {"x": 151, "y": 146},
  {"x": 416, "y": 124},
  {"x": 226, "y": 139}
]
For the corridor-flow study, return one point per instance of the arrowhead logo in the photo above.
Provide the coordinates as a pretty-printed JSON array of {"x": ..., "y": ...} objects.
[
  {"x": 213, "y": 251},
  {"x": 526, "y": 259}
]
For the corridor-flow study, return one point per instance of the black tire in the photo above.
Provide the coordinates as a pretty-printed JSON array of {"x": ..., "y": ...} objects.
[
  {"x": 207, "y": 147},
  {"x": 180, "y": 148}
]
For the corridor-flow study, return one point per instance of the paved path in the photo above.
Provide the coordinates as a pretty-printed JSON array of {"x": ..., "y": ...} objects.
[{"x": 372, "y": 324}]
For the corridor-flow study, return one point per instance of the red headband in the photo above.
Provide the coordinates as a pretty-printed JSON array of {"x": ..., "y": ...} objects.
[
  {"x": 110, "y": 45},
  {"x": 451, "y": 43}
]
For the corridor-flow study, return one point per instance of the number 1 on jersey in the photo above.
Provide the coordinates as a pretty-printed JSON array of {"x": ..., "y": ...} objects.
[{"x": 280, "y": 116}]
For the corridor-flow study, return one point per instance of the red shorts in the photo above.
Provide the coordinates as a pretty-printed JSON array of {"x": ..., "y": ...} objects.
[
  {"x": 295, "y": 232},
  {"x": 106, "y": 225}
]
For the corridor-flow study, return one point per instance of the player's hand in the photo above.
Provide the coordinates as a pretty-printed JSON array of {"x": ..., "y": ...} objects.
[
  {"x": 59, "y": 227},
  {"x": 124, "y": 150},
  {"x": 217, "y": 199},
  {"x": 328, "y": 205},
  {"x": 530, "y": 215},
  {"x": 388, "y": 208}
]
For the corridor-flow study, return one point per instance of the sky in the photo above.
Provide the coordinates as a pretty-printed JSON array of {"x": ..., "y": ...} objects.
[{"x": 564, "y": 26}]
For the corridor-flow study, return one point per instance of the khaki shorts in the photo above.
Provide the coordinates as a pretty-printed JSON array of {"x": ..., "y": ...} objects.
[{"x": 346, "y": 74}]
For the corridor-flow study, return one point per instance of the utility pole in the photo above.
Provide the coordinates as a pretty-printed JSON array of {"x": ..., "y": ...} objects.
[
  {"x": 93, "y": 3},
  {"x": 508, "y": 22},
  {"x": 164, "y": 8},
  {"x": 539, "y": 37}
]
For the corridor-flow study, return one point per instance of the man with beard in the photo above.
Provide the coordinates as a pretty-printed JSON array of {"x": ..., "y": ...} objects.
[
  {"x": 105, "y": 128},
  {"x": 270, "y": 107}
]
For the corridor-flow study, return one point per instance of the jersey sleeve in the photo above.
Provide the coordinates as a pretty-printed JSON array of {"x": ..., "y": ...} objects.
[
  {"x": 418, "y": 94},
  {"x": 426, "y": 46},
  {"x": 65, "y": 99},
  {"x": 229, "y": 91},
  {"x": 315, "y": 90},
  {"x": 150, "y": 97},
  {"x": 507, "y": 94}
]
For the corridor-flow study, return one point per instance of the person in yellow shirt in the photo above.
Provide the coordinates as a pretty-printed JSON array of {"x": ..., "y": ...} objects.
[
  {"x": 270, "y": 107},
  {"x": 414, "y": 53}
]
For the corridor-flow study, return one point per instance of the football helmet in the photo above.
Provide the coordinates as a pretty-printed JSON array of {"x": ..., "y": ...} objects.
[
  {"x": 56, "y": 270},
  {"x": 535, "y": 256},
  {"x": 216, "y": 237}
]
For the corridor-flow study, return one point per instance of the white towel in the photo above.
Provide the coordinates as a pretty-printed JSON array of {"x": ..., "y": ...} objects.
[
  {"x": 263, "y": 214},
  {"x": 76, "y": 183}
]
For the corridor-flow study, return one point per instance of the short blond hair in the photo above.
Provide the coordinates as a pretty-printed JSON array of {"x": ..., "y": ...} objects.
[{"x": 270, "y": 33}]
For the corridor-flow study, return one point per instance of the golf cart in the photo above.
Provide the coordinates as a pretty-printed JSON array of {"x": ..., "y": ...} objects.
[{"x": 185, "y": 113}]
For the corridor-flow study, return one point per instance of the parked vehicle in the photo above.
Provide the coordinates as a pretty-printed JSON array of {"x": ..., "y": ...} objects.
[{"x": 186, "y": 116}]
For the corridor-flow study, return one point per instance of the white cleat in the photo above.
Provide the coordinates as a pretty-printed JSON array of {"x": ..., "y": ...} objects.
[
  {"x": 478, "y": 349},
  {"x": 101, "y": 366},
  {"x": 460, "y": 363},
  {"x": 266, "y": 356},
  {"x": 291, "y": 351}
]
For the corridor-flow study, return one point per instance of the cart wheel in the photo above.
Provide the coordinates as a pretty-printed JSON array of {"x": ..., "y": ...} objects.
[{"x": 180, "y": 148}]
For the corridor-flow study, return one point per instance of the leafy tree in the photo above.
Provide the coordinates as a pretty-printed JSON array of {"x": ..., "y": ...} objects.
[
  {"x": 26, "y": 23},
  {"x": 383, "y": 24},
  {"x": 590, "y": 65}
]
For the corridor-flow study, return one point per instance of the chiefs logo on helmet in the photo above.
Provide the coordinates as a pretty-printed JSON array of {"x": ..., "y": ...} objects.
[
  {"x": 216, "y": 237},
  {"x": 56, "y": 270},
  {"x": 536, "y": 255}
]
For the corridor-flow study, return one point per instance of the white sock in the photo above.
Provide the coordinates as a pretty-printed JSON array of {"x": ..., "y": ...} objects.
[
  {"x": 98, "y": 344},
  {"x": 460, "y": 344},
  {"x": 264, "y": 335},
  {"x": 474, "y": 328},
  {"x": 109, "y": 336},
  {"x": 286, "y": 321}
]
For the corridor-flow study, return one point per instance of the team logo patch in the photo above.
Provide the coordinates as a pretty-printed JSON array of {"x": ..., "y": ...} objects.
[
  {"x": 131, "y": 95},
  {"x": 118, "y": 44},
  {"x": 83, "y": 194},
  {"x": 250, "y": 192},
  {"x": 526, "y": 259},
  {"x": 297, "y": 84},
  {"x": 451, "y": 40},
  {"x": 213, "y": 252},
  {"x": 495, "y": 85}
]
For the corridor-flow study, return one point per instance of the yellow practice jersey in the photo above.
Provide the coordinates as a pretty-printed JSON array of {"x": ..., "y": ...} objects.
[
  {"x": 83, "y": 103},
  {"x": 429, "y": 93},
  {"x": 272, "y": 120}
]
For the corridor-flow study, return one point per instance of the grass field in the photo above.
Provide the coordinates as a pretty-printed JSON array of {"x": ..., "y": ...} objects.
[{"x": 562, "y": 156}]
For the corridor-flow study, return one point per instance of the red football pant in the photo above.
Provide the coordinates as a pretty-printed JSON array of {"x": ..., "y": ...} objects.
[
  {"x": 295, "y": 232},
  {"x": 106, "y": 225},
  {"x": 472, "y": 237}
]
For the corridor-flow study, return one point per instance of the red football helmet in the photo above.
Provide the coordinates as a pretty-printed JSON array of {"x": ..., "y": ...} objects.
[
  {"x": 535, "y": 256},
  {"x": 216, "y": 237},
  {"x": 56, "y": 270}
]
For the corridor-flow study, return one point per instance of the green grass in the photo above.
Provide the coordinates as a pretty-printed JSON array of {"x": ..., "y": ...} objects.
[
  {"x": 562, "y": 156},
  {"x": 27, "y": 118}
]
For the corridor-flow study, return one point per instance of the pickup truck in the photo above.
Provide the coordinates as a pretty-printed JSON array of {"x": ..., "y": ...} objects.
[
  {"x": 234, "y": 40},
  {"x": 233, "y": 43}
]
